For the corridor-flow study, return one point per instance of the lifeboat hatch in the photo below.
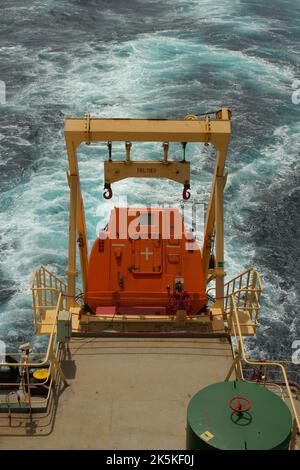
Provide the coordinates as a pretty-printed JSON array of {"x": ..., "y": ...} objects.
[{"x": 147, "y": 257}]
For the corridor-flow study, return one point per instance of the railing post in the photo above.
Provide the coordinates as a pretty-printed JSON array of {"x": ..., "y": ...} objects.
[
  {"x": 56, "y": 364},
  {"x": 239, "y": 290},
  {"x": 239, "y": 370},
  {"x": 27, "y": 379},
  {"x": 293, "y": 436},
  {"x": 51, "y": 287},
  {"x": 44, "y": 284},
  {"x": 39, "y": 293},
  {"x": 245, "y": 288},
  {"x": 33, "y": 291},
  {"x": 232, "y": 367},
  {"x": 253, "y": 292}
]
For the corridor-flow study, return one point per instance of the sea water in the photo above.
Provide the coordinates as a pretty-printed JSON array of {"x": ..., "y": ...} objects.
[{"x": 149, "y": 59}]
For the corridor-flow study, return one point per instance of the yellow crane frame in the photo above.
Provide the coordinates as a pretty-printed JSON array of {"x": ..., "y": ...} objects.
[{"x": 216, "y": 131}]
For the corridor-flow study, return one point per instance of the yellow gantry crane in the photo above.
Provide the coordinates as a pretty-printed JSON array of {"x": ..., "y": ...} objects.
[{"x": 210, "y": 130}]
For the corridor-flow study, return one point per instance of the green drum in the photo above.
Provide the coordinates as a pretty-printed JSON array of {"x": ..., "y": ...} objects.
[{"x": 237, "y": 415}]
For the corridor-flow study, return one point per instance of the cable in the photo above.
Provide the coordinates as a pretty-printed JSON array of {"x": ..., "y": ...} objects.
[
  {"x": 112, "y": 320},
  {"x": 211, "y": 298}
]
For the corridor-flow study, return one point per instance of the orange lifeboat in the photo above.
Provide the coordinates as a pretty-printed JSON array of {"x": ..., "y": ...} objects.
[{"x": 145, "y": 262}]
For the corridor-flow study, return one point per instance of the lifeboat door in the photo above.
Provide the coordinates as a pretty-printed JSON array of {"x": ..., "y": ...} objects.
[{"x": 147, "y": 256}]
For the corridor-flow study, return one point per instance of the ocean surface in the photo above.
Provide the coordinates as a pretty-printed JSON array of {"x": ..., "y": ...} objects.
[{"x": 164, "y": 59}]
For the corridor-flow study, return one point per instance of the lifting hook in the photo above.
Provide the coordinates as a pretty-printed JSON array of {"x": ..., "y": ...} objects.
[
  {"x": 107, "y": 194},
  {"x": 185, "y": 193}
]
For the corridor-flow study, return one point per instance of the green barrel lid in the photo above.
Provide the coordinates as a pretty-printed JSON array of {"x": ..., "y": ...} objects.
[{"x": 213, "y": 424}]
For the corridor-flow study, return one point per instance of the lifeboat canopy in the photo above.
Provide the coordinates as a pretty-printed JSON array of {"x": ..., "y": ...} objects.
[{"x": 145, "y": 262}]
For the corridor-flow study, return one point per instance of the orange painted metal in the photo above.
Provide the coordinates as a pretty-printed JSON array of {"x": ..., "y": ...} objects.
[{"x": 138, "y": 259}]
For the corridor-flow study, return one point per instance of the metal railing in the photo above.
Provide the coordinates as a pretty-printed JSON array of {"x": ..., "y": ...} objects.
[
  {"x": 246, "y": 288},
  {"x": 241, "y": 360},
  {"x": 262, "y": 374},
  {"x": 26, "y": 363},
  {"x": 46, "y": 289}
]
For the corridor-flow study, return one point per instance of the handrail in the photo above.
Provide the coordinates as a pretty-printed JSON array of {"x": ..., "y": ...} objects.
[
  {"x": 42, "y": 270},
  {"x": 49, "y": 360},
  {"x": 45, "y": 287},
  {"x": 247, "y": 288},
  {"x": 252, "y": 307},
  {"x": 241, "y": 354},
  {"x": 248, "y": 281},
  {"x": 50, "y": 348},
  {"x": 242, "y": 274}
]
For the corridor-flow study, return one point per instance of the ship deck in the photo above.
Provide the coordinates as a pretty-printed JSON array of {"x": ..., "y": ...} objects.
[{"x": 122, "y": 394}]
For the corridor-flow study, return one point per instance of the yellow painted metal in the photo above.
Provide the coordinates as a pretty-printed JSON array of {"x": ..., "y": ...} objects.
[
  {"x": 216, "y": 131},
  {"x": 219, "y": 269},
  {"x": 176, "y": 171},
  {"x": 77, "y": 224},
  {"x": 82, "y": 240},
  {"x": 210, "y": 215},
  {"x": 149, "y": 130},
  {"x": 45, "y": 288},
  {"x": 41, "y": 374},
  {"x": 246, "y": 289},
  {"x": 222, "y": 148},
  {"x": 71, "y": 272},
  {"x": 49, "y": 360},
  {"x": 213, "y": 323}
]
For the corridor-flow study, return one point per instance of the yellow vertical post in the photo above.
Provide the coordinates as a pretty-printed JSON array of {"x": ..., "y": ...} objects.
[
  {"x": 82, "y": 239},
  {"x": 219, "y": 241},
  {"x": 78, "y": 218},
  {"x": 252, "y": 299},
  {"x": 73, "y": 181},
  {"x": 209, "y": 227},
  {"x": 39, "y": 294},
  {"x": 211, "y": 211},
  {"x": 221, "y": 145}
]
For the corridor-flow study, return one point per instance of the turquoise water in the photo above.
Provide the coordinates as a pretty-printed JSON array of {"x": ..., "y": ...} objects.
[{"x": 151, "y": 59}]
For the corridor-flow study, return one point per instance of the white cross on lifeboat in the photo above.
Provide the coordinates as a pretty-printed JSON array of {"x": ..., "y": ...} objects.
[{"x": 147, "y": 253}]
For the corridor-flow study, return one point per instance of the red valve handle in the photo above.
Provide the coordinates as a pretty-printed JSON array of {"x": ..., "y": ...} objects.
[
  {"x": 107, "y": 193},
  {"x": 240, "y": 407}
]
